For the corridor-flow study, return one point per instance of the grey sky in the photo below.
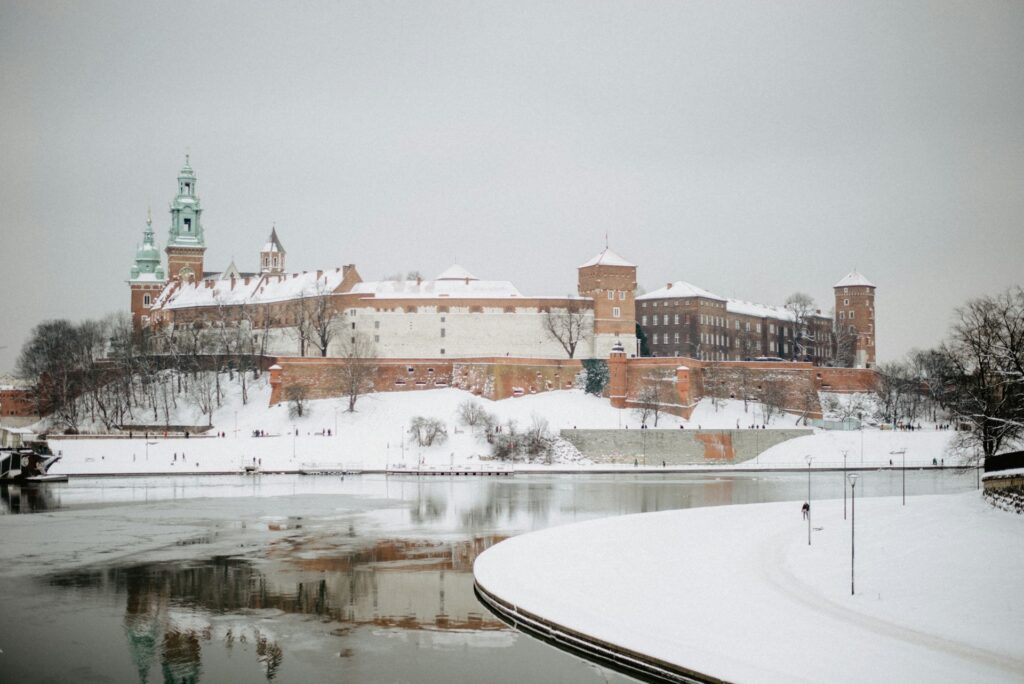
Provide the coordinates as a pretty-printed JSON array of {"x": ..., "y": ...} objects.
[{"x": 752, "y": 148}]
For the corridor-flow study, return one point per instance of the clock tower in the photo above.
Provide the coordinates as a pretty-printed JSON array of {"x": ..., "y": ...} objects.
[{"x": 185, "y": 243}]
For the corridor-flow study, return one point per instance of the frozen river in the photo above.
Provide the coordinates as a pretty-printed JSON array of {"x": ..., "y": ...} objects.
[{"x": 308, "y": 579}]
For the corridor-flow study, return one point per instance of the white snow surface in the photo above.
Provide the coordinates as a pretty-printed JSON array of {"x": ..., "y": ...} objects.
[
  {"x": 736, "y": 592},
  {"x": 375, "y": 437},
  {"x": 607, "y": 258},
  {"x": 854, "y": 279}
]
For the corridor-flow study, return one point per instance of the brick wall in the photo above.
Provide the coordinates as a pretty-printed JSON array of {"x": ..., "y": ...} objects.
[
  {"x": 493, "y": 378},
  {"x": 676, "y": 447}
]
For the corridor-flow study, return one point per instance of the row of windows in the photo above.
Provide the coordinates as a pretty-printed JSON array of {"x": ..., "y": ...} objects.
[{"x": 622, "y": 294}]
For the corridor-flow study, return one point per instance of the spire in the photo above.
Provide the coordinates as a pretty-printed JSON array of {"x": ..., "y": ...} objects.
[
  {"x": 147, "y": 256},
  {"x": 272, "y": 254}
]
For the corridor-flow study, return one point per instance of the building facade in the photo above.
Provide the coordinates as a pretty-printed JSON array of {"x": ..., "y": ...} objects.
[{"x": 324, "y": 312}]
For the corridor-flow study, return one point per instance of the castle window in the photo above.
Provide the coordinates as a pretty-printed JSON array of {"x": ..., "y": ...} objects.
[
  {"x": 376, "y": 324},
  {"x": 676, "y": 338},
  {"x": 643, "y": 320},
  {"x": 616, "y": 312},
  {"x": 846, "y": 290},
  {"x": 442, "y": 350},
  {"x": 851, "y": 315},
  {"x": 611, "y": 294},
  {"x": 622, "y": 295},
  {"x": 846, "y": 302},
  {"x": 676, "y": 321},
  {"x": 145, "y": 300},
  {"x": 442, "y": 332},
  {"x": 376, "y": 338},
  {"x": 188, "y": 225},
  {"x": 842, "y": 315}
]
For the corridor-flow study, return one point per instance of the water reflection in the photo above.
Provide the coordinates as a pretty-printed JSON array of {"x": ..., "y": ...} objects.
[
  {"x": 28, "y": 498},
  {"x": 172, "y": 609}
]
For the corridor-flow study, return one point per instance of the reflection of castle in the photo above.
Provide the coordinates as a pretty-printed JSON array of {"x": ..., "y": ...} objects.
[{"x": 394, "y": 583}]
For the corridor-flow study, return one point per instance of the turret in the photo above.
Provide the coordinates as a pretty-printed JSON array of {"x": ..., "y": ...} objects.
[{"x": 147, "y": 277}]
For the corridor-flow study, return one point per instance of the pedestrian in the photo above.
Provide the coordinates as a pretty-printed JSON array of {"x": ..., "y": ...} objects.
[
  {"x": 635, "y": 464},
  {"x": 806, "y": 510}
]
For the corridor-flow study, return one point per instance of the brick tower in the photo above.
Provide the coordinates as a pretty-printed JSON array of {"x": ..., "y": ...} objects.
[
  {"x": 185, "y": 244},
  {"x": 147, "y": 277},
  {"x": 610, "y": 281},
  {"x": 855, "y": 316},
  {"x": 272, "y": 255}
]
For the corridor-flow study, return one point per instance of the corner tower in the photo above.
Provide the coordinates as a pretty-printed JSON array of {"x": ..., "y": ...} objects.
[
  {"x": 610, "y": 281},
  {"x": 147, "y": 277},
  {"x": 185, "y": 244},
  {"x": 855, "y": 318}
]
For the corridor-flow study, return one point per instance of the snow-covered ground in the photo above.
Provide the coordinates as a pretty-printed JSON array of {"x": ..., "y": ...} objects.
[
  {"x": 375, "y": 435},
  {"x": 736, "y": 592}
]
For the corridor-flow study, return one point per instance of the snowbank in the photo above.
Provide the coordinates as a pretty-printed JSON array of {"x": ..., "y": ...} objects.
[{"x": 738, "y": 593}]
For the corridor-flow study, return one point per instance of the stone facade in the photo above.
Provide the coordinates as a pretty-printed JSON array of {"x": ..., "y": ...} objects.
[{"x": 676, "y": 447}]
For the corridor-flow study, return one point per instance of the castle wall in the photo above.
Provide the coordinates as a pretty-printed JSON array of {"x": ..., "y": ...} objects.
[{"x": 492, "y": 378}]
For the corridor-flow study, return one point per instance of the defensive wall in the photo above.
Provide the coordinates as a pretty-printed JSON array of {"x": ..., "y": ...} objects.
[
  {"x": 490, "y": 377},
  {"x": 676, "y": 447},
  {"x": 680, "y": 382}
]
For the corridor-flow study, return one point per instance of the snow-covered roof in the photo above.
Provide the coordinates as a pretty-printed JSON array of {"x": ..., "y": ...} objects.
[
  {"x": 854, "y": 279},
  {"x": 680, "y": 289},
  {"x": 456, "y": 272},
  {"x": 262, "y": 289},
  {"x": 607, "y": 258},
  {"x": 429, "y": 289},
  {"x": 273, "y": 243}
]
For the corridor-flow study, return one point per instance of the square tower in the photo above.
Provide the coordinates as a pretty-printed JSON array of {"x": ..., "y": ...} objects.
[{"x": 610, "y": 281}]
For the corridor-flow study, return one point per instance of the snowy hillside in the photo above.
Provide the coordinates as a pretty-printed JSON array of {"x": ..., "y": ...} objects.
[{"x": 376, "y": 434}]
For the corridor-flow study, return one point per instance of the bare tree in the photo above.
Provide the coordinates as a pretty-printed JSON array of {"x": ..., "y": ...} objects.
[
  {"x": 428, "y": 431},
  {"x": 296, "y": 396},
  {"x": 984, "y": 373},
  {"x": 321, "y": 318},
  {"x": 471, "y": 413},
  {"x": 801, "y": 305},
  {"x": 653, "y": 397},
  {"x": 844, "y": 344},
  {"x": 773, "y": 399},
  {"x": 568, "y": 326},
  {"x": 357, "y": 368}
]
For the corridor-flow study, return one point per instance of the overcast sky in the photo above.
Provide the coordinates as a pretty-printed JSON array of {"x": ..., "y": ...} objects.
[{"x": 752, "y": 148}]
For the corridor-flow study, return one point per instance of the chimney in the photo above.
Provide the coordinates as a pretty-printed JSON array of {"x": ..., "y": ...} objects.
[
  {"x": 319, "y": 274},
  {"x": 246, "y": 280},
  {"x": 419, "y": 280},
  {"x": 668, "y": 286}
]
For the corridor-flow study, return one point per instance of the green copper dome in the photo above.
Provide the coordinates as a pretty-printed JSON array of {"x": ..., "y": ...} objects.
[{"x": 147, "y": 257}]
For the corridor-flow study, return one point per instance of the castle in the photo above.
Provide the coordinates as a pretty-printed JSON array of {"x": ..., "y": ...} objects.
[{"x": 456, "y": 315}]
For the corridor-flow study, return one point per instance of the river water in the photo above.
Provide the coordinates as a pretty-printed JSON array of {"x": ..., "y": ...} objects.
[{"x": 310, "y": 579}]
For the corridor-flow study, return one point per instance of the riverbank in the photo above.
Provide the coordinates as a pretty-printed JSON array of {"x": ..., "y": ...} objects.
[
  {"x": 375, "y": 438},
  {"x": 738, "y": 594}
]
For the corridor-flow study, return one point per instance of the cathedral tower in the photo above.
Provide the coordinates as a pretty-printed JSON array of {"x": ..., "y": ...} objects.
[
  {"x": 855, "y": 318},
  {"x": 185, "y": 244},
  {"x": 147, "y": 277}
]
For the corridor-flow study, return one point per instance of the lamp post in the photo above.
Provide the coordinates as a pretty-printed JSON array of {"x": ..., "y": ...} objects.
[
  {"x": 903, "y": 452},
  {"x": 335, "y": 421},
  {"x": 808, "y": 459},
  {"x": 852, "y": 479},
  {"x": 844, "y": 488}
]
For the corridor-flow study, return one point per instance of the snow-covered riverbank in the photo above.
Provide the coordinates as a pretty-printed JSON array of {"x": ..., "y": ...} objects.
[
  {"x": 735, "y": 591},
  {"x": 375, "y": 436}
]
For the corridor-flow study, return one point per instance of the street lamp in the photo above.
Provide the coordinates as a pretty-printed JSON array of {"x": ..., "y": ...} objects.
[
  {"x": 844, "y": 488},
  {"x": 903, "y": 452},
  {"x": 852, "y": 479},
  {"x": 808, "y": 459}
]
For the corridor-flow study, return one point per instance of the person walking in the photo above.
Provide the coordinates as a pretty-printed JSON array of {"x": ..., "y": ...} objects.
[{"x": 805, "y": 509}]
